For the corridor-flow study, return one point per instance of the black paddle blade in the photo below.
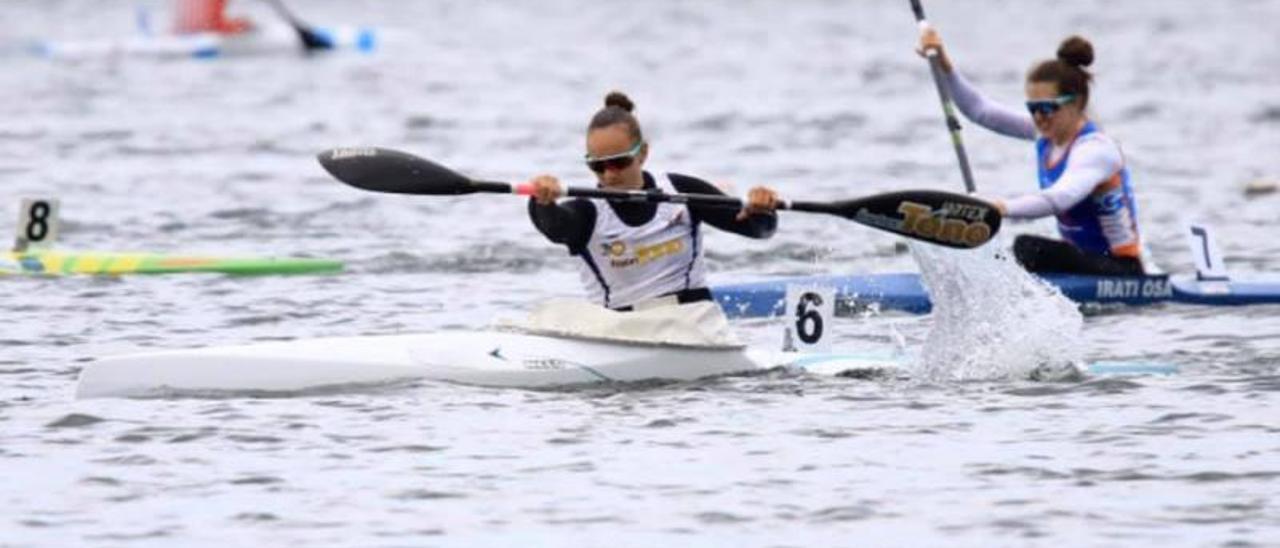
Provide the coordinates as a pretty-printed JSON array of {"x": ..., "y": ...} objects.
[
  {"x": 313, "y": 41},
  {"x": 943, "y": 218},
  {"x": 386, "y": 170}
]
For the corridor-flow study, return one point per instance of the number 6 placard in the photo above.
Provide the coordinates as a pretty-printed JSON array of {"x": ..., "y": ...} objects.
[{"x": 810, "y": 310}]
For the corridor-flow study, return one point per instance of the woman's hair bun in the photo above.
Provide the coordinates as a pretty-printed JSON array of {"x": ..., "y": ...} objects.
[
  {"x": 620, "y": 100},
  {"x": 1076, "y": 51}
]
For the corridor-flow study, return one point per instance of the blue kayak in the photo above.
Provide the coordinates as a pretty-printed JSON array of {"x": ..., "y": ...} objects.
[{"x": 905, "y": 292}]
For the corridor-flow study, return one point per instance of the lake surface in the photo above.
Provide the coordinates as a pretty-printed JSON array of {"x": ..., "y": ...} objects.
[{"x": 820, "y": 99}]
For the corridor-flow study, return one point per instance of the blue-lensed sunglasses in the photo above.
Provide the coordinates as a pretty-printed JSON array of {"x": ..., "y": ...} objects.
[
  {"x": 619, "y": 161},
  {"x": 1046, "y": 107}
]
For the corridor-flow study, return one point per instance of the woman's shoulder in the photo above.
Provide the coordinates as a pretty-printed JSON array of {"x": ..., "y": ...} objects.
[
  {"x": 1096, "y": 133},
  {"x": 1096, "y": 147},
  {"x": 689, "y": 184},
  {"x": 1097, "y": 140}
]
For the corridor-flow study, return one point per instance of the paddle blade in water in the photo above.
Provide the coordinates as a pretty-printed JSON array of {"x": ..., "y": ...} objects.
[
  {"x": 386, "y": 170},
  {"x": 943, "y": 218}
]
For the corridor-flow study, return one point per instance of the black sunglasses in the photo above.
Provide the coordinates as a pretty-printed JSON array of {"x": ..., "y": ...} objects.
[
  {"x": 1046, "y": 107},
  {"x": 619, "y": 161}
]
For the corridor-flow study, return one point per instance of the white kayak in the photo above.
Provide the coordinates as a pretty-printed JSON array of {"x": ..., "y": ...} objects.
[{"x": 482, "y": 358}]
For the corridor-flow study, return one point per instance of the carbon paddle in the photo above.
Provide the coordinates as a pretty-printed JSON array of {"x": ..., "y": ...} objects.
[
  {"x": 943, "y": 218},
  {"x": 948, "y": 105},
  {"x": 311, "y": 40}
]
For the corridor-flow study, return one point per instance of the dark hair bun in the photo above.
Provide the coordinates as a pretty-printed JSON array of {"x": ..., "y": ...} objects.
[
  {"x": 1076, "y": 51},
  {"x": 620, "y": 100}
]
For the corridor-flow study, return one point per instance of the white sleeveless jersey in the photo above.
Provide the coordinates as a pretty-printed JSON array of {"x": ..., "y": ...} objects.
[{"x": 625, "y": 264}]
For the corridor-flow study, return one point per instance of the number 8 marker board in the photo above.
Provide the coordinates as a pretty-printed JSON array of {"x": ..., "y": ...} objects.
[{"x": 38, "y": 230}]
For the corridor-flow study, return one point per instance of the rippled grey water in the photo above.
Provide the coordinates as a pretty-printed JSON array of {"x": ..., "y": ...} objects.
[{"x": 822, "y": 99}]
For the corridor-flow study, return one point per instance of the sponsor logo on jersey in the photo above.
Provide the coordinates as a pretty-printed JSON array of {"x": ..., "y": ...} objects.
[
  {"x": 1110, "y": 202},
  {"x": 614, "y": 249},
  {"x": 617, "y": 251}
]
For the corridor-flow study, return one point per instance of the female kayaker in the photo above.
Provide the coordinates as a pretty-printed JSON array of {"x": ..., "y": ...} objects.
[
  {"x": 1082, "y": 173},
  {"x": 635, "y": 254}
]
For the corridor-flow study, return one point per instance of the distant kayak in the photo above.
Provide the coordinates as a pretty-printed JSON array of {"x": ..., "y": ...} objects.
[
  {"x": 272, "y": 40},
  {"x": 46, "y": 262}
]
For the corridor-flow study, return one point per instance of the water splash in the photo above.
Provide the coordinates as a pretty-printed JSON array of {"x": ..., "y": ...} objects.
[{"x": 991, "y": 319}]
